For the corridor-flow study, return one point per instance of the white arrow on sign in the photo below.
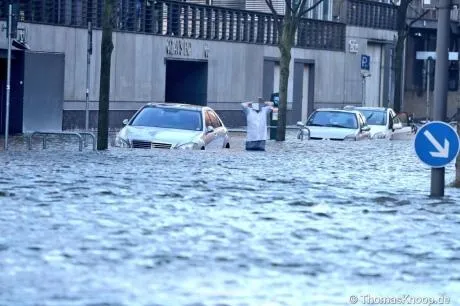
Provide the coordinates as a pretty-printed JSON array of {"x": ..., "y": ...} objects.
[{"x": 443, "y": 152}]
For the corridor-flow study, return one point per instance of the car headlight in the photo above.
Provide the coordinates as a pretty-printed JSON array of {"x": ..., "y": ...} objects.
[
  {"x": 350, "y": 138},
  {"x": 121, "y": 142},
  {"x": 379, "y": 135},
  {"x": 188, "y": 146}
]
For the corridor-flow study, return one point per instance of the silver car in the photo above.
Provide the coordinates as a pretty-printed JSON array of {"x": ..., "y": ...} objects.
[
  {"x": 173, "y": 126},
  {"x": 334, "y": 124},
  {"x": 383, "y": 121}
]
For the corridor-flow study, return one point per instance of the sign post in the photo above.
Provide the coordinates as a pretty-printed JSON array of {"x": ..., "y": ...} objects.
[
  {"x": 440, "y": 85},
  {"x": 365, "y": 67}
]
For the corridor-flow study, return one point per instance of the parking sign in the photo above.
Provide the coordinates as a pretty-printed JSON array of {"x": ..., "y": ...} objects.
[{"x": 365, "y": 62}]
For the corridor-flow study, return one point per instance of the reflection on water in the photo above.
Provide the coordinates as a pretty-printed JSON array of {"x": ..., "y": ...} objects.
[{"x": 305, "y": 223}]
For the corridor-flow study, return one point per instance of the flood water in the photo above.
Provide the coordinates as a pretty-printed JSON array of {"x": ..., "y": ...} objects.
[{"x": 304, "y": 223}]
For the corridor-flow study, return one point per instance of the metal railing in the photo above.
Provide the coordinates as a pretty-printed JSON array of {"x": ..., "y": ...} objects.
[
  {"x": 181, "y": 19},
  {"x": 44, "y": 135}
]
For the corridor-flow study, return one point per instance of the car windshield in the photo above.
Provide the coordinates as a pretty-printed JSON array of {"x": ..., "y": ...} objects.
[
  {"x": 333, "y": 119},
  {"x": 374, "y": 117},
  {"x": 170, "y": 118}
]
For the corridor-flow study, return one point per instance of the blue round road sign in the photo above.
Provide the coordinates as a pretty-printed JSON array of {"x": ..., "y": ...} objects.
[{"x": 436, "y": 144}]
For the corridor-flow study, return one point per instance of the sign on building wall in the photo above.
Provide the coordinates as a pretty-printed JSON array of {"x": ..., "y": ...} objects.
[
  {"x": 365, "y": 62},
  {"x": 178, "y": 47},
  {"x": 182, "y": 47},
  {"x": 353, "y": 46}
]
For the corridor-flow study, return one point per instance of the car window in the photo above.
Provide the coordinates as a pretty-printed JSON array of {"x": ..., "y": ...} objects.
[
  {"x": 208, "y": 119},
  {"x": 169, "y": 117},
  {"x": 374, "y": 117},
  {"x": 362, "y": 121},
  {"x": 333, "y": 119},
  {"x": 214, "y": 119}
]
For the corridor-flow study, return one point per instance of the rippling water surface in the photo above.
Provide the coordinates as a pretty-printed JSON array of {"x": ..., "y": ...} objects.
[{"x": 305, "y": 223}]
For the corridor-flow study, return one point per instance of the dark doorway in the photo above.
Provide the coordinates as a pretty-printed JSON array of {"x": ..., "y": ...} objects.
[
  {"x": 186, "y": 82},
  {"x": 16, "y": 101}
]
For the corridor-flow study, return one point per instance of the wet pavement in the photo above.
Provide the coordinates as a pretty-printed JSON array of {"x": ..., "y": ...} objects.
[{"x": 305, "y": 223}]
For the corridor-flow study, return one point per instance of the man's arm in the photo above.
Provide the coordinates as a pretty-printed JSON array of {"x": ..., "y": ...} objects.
[
  {"x": 269, "y": 106},
  {"x": 246, "y": 104}
]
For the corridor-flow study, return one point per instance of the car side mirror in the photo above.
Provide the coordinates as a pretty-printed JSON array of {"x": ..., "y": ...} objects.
[
  {"x": 304, "y": 133},
  {"x": 125, "y": 121},
  {"x": 365, "y": 128},
  {"x": 209, "y": 129},
  {"x": 300, "y": 124}
]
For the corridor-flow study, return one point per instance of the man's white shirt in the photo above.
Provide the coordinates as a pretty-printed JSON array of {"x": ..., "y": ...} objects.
[{"x": 256, "y": 123}]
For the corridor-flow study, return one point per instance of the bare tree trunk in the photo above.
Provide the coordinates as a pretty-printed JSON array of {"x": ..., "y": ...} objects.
[
  {"x": 104, "y": 91},
  {"x": 398, "y": 68},
  {"x": 401, "y": 24},
  {"x": 285, "y": 47}
]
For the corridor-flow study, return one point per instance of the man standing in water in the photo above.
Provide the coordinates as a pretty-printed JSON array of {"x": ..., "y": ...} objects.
[{"x": 256, "y": 118}]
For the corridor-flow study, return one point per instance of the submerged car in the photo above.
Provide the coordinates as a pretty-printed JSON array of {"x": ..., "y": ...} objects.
[
  {"x": 334, "y": 124},
  {"x": 383, "y": 121},
  {"x": 173, "y": 126}
]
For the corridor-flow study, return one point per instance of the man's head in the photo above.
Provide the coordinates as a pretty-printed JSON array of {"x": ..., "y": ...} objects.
[{"x": 257, "y": 106}]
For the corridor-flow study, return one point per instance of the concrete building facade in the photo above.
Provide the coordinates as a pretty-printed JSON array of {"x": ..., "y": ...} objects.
[{"x": 216, "y": 72}]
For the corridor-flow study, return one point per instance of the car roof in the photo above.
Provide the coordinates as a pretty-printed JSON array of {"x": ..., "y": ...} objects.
[
  {"x": 178, "y": 105},
  {"x": 337, "y": 110},
  {"x": 374, "y": 108}
]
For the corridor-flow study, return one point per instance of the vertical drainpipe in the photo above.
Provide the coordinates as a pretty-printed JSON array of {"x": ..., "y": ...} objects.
[
  {"x": 403, "y": 78},
  {"x": 385, "y": 75}
]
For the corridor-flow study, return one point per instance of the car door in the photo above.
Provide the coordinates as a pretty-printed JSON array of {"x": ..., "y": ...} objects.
[
  {"x": 398, "y": 131},
  {"x": 362, "y": 123},
  {"x": 216, "y": 137},
  {"x": 222, "y": 132}
]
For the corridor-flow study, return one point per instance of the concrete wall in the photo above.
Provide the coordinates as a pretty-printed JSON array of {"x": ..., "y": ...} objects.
[
  {"x": 352, "y": 64},
  {"x": 235, "y": 70}
]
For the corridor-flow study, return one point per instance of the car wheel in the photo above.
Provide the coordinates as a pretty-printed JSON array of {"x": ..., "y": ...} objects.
[
  {"x": 227, "y": 146},
  {"x": 202, "y": 148}
]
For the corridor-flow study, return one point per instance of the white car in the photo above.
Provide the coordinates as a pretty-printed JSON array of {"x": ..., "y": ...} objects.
[
  {"x": 334, "y": 124},
  {"x": 383, "y": 121},
  {"x": 173, "y": 126}
]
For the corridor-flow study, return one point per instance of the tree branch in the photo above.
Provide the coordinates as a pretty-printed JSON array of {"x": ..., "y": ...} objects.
[
  {"x": 418, "y": 18},
  {"x": 275, "y": 13},
  {"x": 303, "y": 12},
  {"x": 288, "y": 5},
  {"x": 301, "y": 7},
  {"x": 299, "y": 3},
  {"x": 407, "y": 27},
  {"x": 395, "y": 5}
]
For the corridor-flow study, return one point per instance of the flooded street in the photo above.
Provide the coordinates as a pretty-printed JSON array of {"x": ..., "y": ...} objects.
[{"x": 305, "y": 223}]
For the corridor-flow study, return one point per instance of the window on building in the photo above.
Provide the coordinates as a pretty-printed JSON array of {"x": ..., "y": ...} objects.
[{"x": 453, "y": 76}]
